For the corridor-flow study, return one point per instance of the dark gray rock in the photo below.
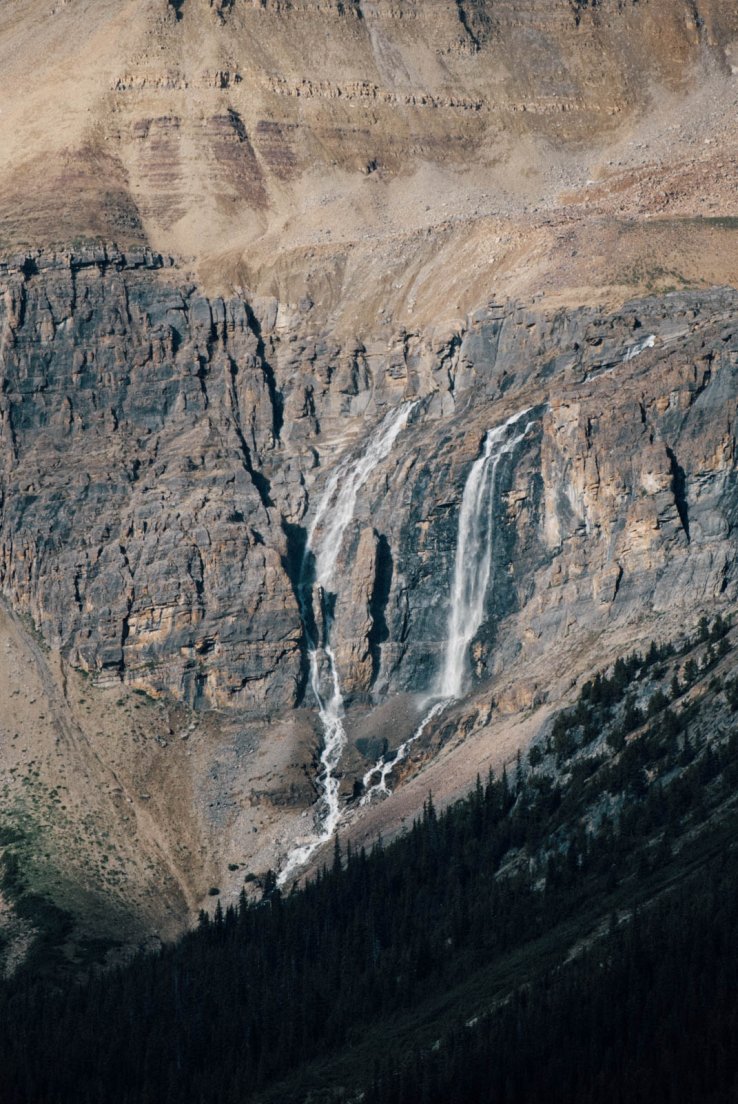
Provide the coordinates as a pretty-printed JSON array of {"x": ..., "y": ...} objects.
[{"x": 161, "y": 454}]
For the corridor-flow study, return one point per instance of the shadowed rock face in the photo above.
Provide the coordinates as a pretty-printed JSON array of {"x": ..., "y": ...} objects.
[{"x": 162, "y": 454}]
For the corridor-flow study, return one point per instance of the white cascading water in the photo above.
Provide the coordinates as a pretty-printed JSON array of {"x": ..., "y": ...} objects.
[
  {"x": 473, "y": 566},
  {"x": 472, "y": 572},
  {"x": 325, "y": 537},
  {"x": 376, "y": 778},
  {"x": 631, "y": 352}
]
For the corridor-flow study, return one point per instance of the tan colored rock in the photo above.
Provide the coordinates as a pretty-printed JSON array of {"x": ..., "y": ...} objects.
[{"x": 354, "y": 620}]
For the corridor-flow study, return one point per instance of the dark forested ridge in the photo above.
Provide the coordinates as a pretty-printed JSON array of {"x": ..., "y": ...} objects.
[
  {"x": 567, "y": 932},
  {"x": 649, "y": 1013}
]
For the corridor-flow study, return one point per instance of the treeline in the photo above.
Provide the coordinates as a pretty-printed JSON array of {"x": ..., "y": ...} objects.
[
  {"x": 243, "y": 1007},
  {"x": 615, "y": 696}
]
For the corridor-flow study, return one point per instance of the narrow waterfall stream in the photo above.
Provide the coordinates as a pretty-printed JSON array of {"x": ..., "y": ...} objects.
[
  {"x": 376, "y": 778},
  {"x": 472, "y": 573},
  {"x": 334, "y": 513},
  {"x": 473, "y": 564},
  {"x": 640, "y": 346}
]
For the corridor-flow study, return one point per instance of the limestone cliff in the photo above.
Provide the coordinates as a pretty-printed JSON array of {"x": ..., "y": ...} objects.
[{"x": 162, "y": 454}]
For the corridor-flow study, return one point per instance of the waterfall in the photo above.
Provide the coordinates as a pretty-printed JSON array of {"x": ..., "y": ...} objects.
[
  {"x": 334, "y": 513},
  {"x": 631, "y": 352},
  {"x": 375, "y": 779},
  {"x": 472, "y": 573},
  {"x": 473, "y": 565}
]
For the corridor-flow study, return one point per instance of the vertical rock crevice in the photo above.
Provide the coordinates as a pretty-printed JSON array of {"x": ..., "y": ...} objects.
[
  {"x": 275, "y": 395},
  {"x": 298, "y": 565},
  {"x": 258, "y": 478},
  {"x": 378, "y": 602},
  {"x": 679, "y": 489},
  {"x": 465, "y": 23}
]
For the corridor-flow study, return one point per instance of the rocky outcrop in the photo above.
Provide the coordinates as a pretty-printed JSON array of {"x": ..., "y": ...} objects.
[
  {"x": 138, "y": 530},
  {"x": 354, "y": 613},
  {"x": 617, "y": 506},
  {"x": 162, "y": 458},
  {"x": 342, "y": 186},
  {"x": 162, "y": 453}
]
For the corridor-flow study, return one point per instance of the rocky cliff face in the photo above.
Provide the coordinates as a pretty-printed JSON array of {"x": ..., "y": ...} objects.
[
  {"x": 163, "y": 455},
  {"x": 328, "y": 213},
  {"x": 163, "y": 458},
  {"x": 140, "y": 531}
]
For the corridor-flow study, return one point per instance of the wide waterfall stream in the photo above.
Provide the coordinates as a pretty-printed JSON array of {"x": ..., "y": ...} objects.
[
  {"x": 325, "y": 537},
  {"x": 472, "y": 573}
]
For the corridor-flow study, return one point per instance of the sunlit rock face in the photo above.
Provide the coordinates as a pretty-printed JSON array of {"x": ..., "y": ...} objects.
[
  {"x": 163, "y": 454},
  {"x": 307, "y": 148}
]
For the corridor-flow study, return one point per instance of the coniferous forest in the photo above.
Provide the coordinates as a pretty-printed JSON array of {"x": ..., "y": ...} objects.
[{"x": 567, "y": 932}]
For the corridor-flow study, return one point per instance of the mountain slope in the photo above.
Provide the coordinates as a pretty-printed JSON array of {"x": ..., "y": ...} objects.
[
  {"x": 239, "y": 241},
  {"x": 336, "y": 149},
  {"x": 587, "y": 880}
]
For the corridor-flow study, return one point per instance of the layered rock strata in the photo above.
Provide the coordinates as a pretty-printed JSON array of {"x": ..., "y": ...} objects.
[{"x": 162, "y": 453}]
